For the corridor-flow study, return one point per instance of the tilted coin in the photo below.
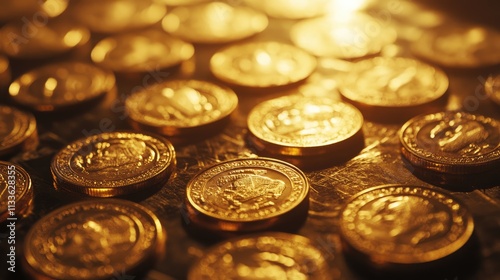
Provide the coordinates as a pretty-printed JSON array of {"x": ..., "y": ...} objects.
[
  {"x": 141, "y": 51},
  {"x": 262, "y": 64},
  {"x": 492, "y": 88},
  {"x": 395, "y": 225},
  {"x": 16, "y": 191},
  {"x": 14, "y": 9},
  {"x": 269, "y": 255},
  {"x": 214, "y": 22},
  {"x": 111, "y": 164},
  {"x": 180, "y": 107},
  {"x": 18, "y": 130},
  {"x": 296, "y": 9},
  {"x": 94, "y": 239},
  {"x": 452, "y": 142},
  {"x": 247, "y": 194},
  {"x": 303, "y": 126},
  {"x": 61, "y": 85},
  {"x": 394, "y": 87},
  {"x": 332, "y": 37}
]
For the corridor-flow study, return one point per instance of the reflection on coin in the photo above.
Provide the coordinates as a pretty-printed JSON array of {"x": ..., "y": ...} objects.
[
  {"x": 15, "y": 9},
  {"x": 303, "y": 126},
  {"x": 262, "y": 64},
  {"x": 5, "y": 74},
  {"x": 459, "y": 46},
  {"x": 141, "y": 51},
  {"x": 94, "y": 239},
  {"x": 55, "y": 37},
  {"x": 61, "y": 85},
  {"x": 452, "y": 142},
  {"x": 112, "y": 16},
  {"x": 348, "y": 38},
  {"x": 296, "y": 9},
  {"x": 492, "y": 88},
  {"x": 247, "y": 194},
  {"x": 180, "y": 2},
  {"x": 393, "y": 85},
  {"x": 111, "y": 164},
  {"x": 15, "y": 185},
  {"x": 404, "y": 225},
  {"x": 17, "y": 130},
  {"x": 214, "y": 22},
  {"x": 180, "y": 107},
  {"x": 269, "y": 255}
]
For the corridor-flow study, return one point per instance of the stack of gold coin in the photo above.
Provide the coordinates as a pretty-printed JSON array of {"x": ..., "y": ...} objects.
[
  {"x": 262, "y": 64},
  {"x": 306, "y": 130},
  {"x": 270, "y": 255},
  {"x": 394, "y": 89},
  {"x": 61, "y": 86},
  {"x": 94, "y": 239},
  {"x": 214, "y": 22},
  {"x": 246, "y": 195},
  {"x": 114, "y": 164},
  {"x": 16, "y": 191},
  {"x": 181, "y": 107},
  {"x": 405, "y": 228},
  {"x": 141, "y": 51},
  {"x": 492, "y": 88},
  {"x": 452, "y": 142},
  {"x": 18, "y": 130}
]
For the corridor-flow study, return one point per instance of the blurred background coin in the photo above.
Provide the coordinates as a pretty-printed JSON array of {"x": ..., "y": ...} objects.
[{"x": 18, "y": 130}]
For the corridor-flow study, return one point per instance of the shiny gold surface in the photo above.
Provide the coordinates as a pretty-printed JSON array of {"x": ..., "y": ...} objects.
[
  {"x": 94, "y": 239},
  {"x": 13, "y": 9},
  {"x": 5, "y": 74},
  {"x": 18, "y": 130},
  {"x": 19, "y": 188},
  {"x": 295, "y": 9},
  {"x": 492, "y": 88}
]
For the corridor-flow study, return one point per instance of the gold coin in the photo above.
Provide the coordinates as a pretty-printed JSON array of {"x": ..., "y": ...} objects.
[
  {"x": 393, "y": 87},
  {"x": 180, "y": 2},
  {"x": 16, "y": 191},
  {"x": 270, "y": 255},
  {"x": 113, "y": 16},
  {"x": 262, "y": 64},
  {"x": 94, "y": 239},
  {"x": 286, "y": 9},
  {"x": 31, "y": 9},
  {"x": 141, "y": 51},
  {"x": 404, "y": 225},
  {"x": 452, "y": 142},
  {"x": 180, "y": 107},
  {"x": 332, "y": 37},
  {"x": 214, "y": 22},
  {"x": 459, "y": 46},
  {"x": 61, "y": 85},
  {"x": 56, "y": 36},
  {"x": 111, "y": 164},
  {"x": 247, "y": 194},
  {"x": 17, "y": 130},
  {"x": 5, "y": 75},
  {"x": 301, "y": 126},
  {"x": 492, "y": 88}
]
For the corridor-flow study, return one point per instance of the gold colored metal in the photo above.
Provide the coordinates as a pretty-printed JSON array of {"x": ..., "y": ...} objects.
[
  {"x": 112, "y": 164},
  {"x": 94, "y": 239},
  {"x": 180, "y": 2},
  {"x": 452, "y": 142},
  {"x": 5, "y": 74},
  {"x": 18, "y": 130},
  {"x": 15, "y": 9},
  {"x": 262, "y": 64},
  {"x": 214, "y": 22},
  {"x": 270, "y": 255},
  {"x": 61, "y": 85},
  {"x": 297, "y": 9},
  {"x": 404, "y": 225},
  {"x": 15, "y": 185},
  {"x": 141, "y": 51},
  {"x": 492, "y": 88},
  {"x": 247, "y": 194},
  {"x": 180, "y": 107}
]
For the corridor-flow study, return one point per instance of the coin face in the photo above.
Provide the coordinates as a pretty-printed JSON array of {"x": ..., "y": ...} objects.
[
  {"x": 452, "y": 142},
  {"x": 331, "y": 37},
  {"x": 403, "y": 224},
  {"x": 15, "y": 185},
  {"x": 180, "y": 106},
  {"x": 393, "y": 82},
  {"x": 61, "y": 85},
  {"x": 492, "y": 88},
  {"x": 214, "y": 22},
  {"x": 297, "y": 125},
  {"x": 16, "y": 129},
  {"x": 141, "y": 51},
  {"x": 262, "y": 64},
  {"x": 247, "y": 190},
  {"x": 110, "y": 164},
  {"x": 94, "y": 239},
  {"x": 264, "y": 256}
]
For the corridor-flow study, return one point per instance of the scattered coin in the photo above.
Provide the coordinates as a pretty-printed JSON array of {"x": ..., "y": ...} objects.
[
  {"x": 15, "y": 186},
  {"x": 18, "y": 131},
  {"x": 492, "y": 88}
]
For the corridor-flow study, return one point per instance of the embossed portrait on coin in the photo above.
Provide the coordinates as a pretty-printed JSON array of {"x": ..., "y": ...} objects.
[
  {"x": 408, "y": 220},
  {"x": 464, "y": 137}
]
